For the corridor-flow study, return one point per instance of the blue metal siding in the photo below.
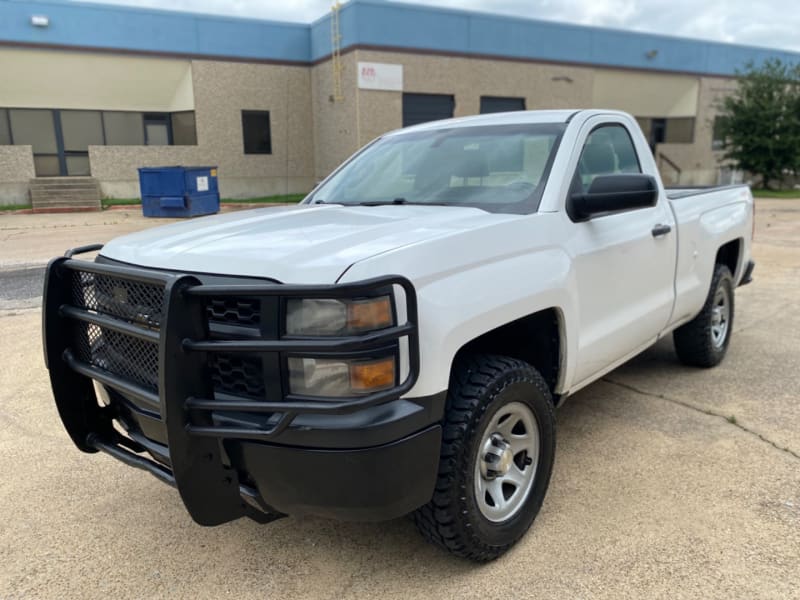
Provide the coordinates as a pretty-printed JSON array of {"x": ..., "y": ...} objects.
[
  {"x": 522, "y": 39},
  {"x": 321, "y": 31},
  {"x": 254, "y": 39},
  {"x": 367, "y": 22},
  {"x": 383, "y": 23},
  {"x": 321, "y": 36},
  {"x": 125, "y": 28}
]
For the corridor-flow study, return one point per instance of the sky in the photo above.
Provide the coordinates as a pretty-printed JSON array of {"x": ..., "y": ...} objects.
[{"x": 768, "y": 23}]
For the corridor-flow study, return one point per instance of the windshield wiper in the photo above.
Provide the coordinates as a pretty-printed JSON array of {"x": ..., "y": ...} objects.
[
  {"x": 384, "y": 202},
  {"x": 397, "y": 202}
]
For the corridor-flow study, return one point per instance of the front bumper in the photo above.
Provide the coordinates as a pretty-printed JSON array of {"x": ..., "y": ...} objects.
[
  {"x": 229, "y": 455},
  {"x": 367, "y": 484}
]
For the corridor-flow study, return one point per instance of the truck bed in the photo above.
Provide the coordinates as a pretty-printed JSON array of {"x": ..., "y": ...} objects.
[
  {"x": 678, "y": 193},
  {"x": 715, "y": 216}
]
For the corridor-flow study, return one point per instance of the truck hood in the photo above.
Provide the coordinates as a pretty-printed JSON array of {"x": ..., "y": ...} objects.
[{"x": 302, "y": 244}]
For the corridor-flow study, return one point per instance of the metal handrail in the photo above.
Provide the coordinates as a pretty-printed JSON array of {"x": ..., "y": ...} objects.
[{"x": 678, "y": 171}]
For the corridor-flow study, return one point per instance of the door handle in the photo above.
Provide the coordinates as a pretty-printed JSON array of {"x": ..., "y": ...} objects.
[{"x": 661, "y": 229}]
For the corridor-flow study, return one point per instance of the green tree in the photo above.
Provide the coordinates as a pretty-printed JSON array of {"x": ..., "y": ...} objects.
[{"x": 760, "y": 121}]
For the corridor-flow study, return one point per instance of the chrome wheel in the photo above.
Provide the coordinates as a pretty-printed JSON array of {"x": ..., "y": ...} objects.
[
  {"x": 506, "y": 463},
  {"x": 720, "y": 317}
]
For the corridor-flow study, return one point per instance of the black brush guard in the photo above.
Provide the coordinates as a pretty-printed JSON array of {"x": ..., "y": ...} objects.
[{"x": 197, "y": 462}]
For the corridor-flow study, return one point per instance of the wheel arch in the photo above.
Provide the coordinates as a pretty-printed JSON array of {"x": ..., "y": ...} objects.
[
  {"x": 730, "y": 255},
  {"x": 539, "y": 339}
]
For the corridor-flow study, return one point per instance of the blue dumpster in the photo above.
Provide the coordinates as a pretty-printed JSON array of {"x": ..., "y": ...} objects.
[{"x": 179, "y": 191}]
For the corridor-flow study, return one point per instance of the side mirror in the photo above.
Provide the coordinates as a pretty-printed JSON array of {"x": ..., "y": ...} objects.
[{"x": 613, "y": 193}]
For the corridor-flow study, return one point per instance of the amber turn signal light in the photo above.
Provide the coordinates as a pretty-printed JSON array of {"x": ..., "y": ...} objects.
[
  {"x": 366, "y": 315},
  {"x": 372, "y": 376}
]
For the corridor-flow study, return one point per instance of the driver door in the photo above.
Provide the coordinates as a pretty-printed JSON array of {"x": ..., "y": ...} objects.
[{"x": 624, "y": 271}]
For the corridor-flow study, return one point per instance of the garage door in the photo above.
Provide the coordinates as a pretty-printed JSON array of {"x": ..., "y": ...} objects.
[
  {"x": 495, "y": 104},
  {"x": 421, "y": 108}
]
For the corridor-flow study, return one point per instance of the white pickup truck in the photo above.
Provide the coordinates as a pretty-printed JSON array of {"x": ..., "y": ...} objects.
[{"x": 398, "y": 342}]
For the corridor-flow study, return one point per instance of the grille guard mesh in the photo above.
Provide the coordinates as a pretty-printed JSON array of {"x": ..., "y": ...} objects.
[{"x": 105, "y": 323}]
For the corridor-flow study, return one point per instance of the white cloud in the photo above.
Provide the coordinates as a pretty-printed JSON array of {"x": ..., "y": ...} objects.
[{"x": 769, "y": 23}]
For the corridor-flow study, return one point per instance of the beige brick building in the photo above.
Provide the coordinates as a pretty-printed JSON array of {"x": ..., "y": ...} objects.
[{"x": 99, "y": 92}]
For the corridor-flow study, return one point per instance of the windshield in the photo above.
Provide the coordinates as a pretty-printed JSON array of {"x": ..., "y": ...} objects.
[{"x": 496, "y": 168}]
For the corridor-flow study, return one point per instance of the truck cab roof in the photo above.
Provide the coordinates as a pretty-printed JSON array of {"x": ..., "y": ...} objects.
[{"x": 519, "y": 117}]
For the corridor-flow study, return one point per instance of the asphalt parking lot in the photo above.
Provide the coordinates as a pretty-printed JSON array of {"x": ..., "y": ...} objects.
[{"x": 669, "y": 482}]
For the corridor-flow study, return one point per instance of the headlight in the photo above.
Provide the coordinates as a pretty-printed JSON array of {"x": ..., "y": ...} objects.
[
  {"x": 338, "y": 378},
  {"x": 325, "y": 316}
]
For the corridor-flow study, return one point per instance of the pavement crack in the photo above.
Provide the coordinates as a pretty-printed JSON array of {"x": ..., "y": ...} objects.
[{"x": 706, "y": 411}]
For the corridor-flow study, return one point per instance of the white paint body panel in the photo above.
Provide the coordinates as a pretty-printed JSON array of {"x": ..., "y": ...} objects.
[
  {"x": 302, "y": 244},
  {"x": 624, "y": 276},
  {"x": 615, "y": 287},
  {"x": 705, "y": 223}
]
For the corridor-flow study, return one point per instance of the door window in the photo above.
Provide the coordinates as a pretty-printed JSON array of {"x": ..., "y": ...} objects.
[
  {"x": 608, "y": 150},
  {"x": 658, "y": 132},
  {"x": 46, "y": 165},
  {"x": 156, "y": 130},
  {"x": 79, "y": 130},
  {"x": 78, "y": 164}
]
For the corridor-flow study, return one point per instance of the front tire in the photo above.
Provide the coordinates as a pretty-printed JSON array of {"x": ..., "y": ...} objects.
[
  {"x": 703, "y": 341},
  {"x": 498, "y": 446}
]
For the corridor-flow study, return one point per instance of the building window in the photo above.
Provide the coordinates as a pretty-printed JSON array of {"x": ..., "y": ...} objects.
[
  {"x": 123, "y": 128},
  {"x": 157, "y": 129},
  {"x": 421, "y": 108},
  {"x": 81, "y": 129},
  {"x": 675, "y": 130},
  {"x": 256, "y": 132},
  {"x": 496, "y": 104},
  {"x": 679, "y": 130},
  {"x": 5, "y": 128},
  {"x": 658, "y": 132},
  {"x": 184, "y": 132},
  {"x": 717, "y": 136},
  {"x": 645, "y": 124},
  {"x": 61, "y": 138},
  {"x": 36, "y": 128}
]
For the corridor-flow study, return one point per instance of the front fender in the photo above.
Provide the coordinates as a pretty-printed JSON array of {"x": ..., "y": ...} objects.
[{"x": 460, "y": 303}]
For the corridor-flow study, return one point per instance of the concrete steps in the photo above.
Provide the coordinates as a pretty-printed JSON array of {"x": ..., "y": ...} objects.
[{"x": 59, "y": 194}]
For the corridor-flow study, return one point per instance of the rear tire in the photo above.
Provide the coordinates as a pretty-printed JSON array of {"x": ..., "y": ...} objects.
[
  {"x": 498, "y": 446},
  {"x": 703, "y": 341}
]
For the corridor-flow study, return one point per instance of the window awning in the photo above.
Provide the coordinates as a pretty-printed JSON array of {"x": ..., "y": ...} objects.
[
  {"x": 85, "y": 80},
  {"x": 646, "y": 94}
]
